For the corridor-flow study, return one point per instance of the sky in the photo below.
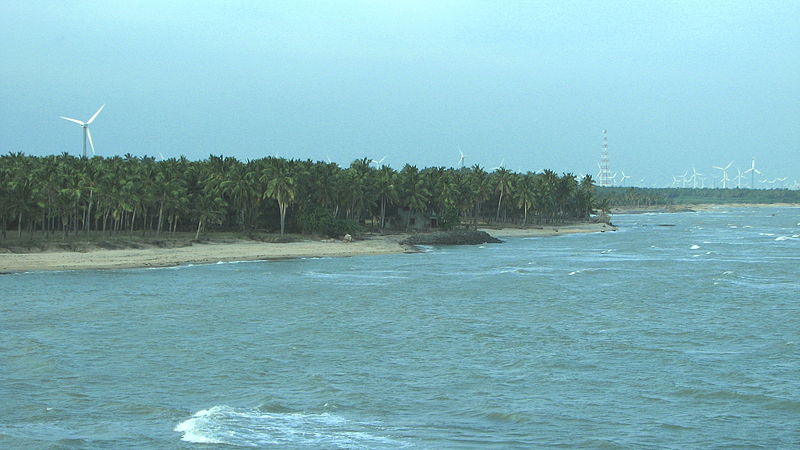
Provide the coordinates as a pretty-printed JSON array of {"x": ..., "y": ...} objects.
[{"x": 676, "y": 83}]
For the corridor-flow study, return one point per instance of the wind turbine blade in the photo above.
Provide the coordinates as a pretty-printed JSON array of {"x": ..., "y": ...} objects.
[
  {"x": 95, "y": 115},
  {"x": 73, "y": 120},
  {"x": 729, "y": 165},
  {"x": 91, "y": 144}
]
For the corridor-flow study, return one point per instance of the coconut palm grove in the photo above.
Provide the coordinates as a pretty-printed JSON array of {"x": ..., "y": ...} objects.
[{"x": 63, "y": 195}]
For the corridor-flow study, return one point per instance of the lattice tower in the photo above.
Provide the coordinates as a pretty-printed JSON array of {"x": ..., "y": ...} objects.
[{"x": 604, "y": 178}]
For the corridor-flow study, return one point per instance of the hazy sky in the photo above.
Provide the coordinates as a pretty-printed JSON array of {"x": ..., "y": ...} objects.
[{"x": 676, "y": 83}]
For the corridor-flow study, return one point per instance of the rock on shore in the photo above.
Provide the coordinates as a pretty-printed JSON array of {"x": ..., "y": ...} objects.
[{"x": 454, "y": 237}]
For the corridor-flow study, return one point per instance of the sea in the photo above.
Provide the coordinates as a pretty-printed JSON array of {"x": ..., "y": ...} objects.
[{"x": 677, "y": 331}]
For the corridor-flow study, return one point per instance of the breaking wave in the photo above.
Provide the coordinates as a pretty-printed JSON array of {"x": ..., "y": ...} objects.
[{"x": 252, "y": 427}]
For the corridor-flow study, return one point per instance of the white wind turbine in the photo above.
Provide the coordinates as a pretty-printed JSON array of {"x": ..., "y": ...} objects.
[
  {"x": 85, "y": 126},
  {"x": 752, "y": 171},
  {"x": 738, "y": 178},
  {"x": 499, "y": 166},
  {"x": 378, "y": 164},
  {"x": 461, "y": 159},
  {"x": 624, "y": 177},
  {"x": 694, "y": 176},
  {"x": 724, "y": 170}
]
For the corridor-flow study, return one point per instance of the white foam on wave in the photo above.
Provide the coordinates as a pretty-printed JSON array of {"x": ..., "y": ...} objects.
[
  {"x": 785, "y": 238},
  {"x": 252, "y": 427},
  {"x": 694, "y": 247}
]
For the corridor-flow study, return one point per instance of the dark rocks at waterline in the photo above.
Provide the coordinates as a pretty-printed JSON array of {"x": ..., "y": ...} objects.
[{"x": 455, "y": 237}]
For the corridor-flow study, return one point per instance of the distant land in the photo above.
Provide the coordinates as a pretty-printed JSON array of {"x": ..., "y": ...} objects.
[{"x": 636, "y": 197}]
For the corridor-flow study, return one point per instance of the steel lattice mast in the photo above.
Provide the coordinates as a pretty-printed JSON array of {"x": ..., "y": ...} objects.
[{"x": 604, "y": 177}]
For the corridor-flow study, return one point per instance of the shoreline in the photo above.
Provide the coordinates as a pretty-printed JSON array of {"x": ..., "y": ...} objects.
[
  {"x": 550, "y": 230},
  {"x": 698, "y": 207},
  {"x": 211, "y": 253}
]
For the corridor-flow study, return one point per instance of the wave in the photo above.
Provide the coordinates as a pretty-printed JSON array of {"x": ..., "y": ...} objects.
[{"x": 252, "y": 427}]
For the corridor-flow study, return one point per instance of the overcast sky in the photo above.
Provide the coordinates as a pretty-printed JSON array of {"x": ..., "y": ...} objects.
[{"x": 675, "y": 83}]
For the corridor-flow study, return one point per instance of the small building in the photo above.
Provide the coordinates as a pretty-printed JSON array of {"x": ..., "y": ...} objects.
[{"x": 418, "y": 221}]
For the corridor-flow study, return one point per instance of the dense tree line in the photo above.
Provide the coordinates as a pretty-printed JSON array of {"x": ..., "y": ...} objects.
[
  {"x": 62, "y": 194},
  {"x": 643, "y": 197}
]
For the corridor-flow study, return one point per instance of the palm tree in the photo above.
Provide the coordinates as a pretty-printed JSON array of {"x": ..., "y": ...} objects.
[
  {"x": 279, "y": 180},
  {"x": 503, "y": 184},
  {"x": 480, "y": 188},
  {"x": 386, "y": 190},
  {"x": 525, "y": 195},
  {"x": 413, "y": 193}
]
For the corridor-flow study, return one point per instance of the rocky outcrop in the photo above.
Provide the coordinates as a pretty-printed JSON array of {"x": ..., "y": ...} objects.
[{"x": 455, "y": 237}]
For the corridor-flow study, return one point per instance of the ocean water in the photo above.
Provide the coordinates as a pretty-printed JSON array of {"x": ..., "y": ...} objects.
[{"x": 678, "y": 336}]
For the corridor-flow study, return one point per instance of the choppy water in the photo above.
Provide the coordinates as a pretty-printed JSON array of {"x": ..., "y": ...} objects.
[{"x": 653, "y": 336}]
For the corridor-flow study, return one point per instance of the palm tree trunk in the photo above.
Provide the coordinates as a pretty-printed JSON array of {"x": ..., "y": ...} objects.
[
  {"x": 19, "y": 225},
  {"x": 383, "y": 213},
  {"x": 199, "y": 225},
  {"x": 160, "y": 215},
  {"x": 133, "y": 219},
  {"x": 282, "y": 207},
  {"x": 497, "y": 216}
]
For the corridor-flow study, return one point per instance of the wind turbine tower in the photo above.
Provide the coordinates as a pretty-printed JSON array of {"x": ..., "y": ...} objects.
[
  {"x": 605, "y": 178},
  {"x": 85, "y": 126}
]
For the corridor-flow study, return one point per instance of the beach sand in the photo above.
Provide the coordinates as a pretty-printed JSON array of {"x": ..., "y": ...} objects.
[{"x": 209, "y": 253}]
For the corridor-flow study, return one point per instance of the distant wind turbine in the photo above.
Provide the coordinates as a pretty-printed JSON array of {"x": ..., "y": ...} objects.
[
  {"x": 738, "y": 178},
  {"x": 461, "y": 159},
  {"x": 85, "y": 126},
  {"x": 499, "y": 166},
  {"x": 752, "y": 171},
  {"x": 724, "y": 170},
  {"x": 622, "y": 180},
  {"x": 694, "y": 176},
  {"x": 378, "y": 164}
]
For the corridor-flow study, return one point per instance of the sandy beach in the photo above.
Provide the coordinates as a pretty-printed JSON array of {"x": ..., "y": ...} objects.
[{"x": 209, "y": 253}]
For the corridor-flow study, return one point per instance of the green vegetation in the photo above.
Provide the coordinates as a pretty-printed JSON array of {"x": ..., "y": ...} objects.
[
  {"x": 633, "y": 197},
  {"x": 59, "y": 197}
]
